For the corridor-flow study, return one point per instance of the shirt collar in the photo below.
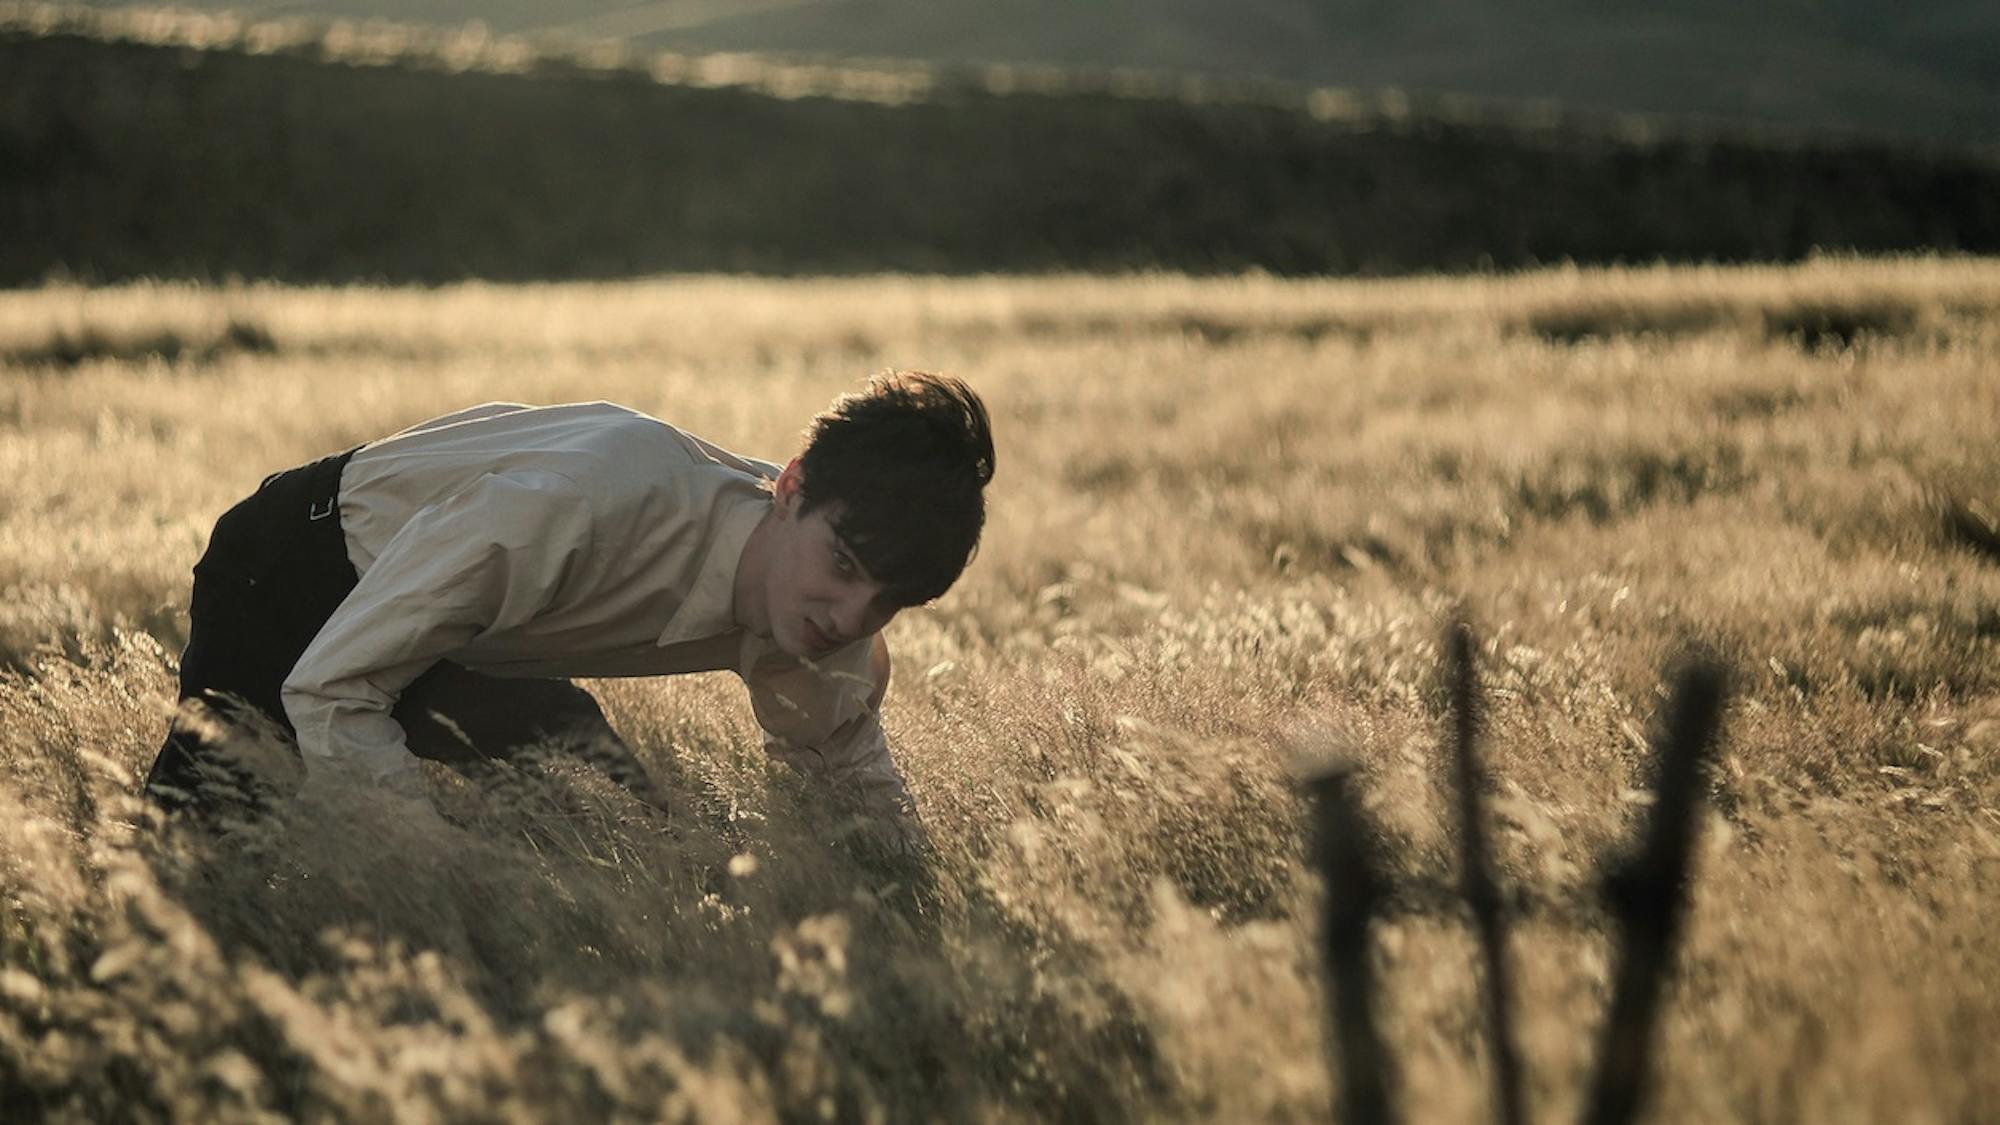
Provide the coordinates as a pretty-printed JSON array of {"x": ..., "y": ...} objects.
[{"x": 709, "y": 608}]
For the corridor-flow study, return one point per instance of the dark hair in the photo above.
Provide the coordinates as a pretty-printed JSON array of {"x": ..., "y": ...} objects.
[{"x": 906, "y": 460}]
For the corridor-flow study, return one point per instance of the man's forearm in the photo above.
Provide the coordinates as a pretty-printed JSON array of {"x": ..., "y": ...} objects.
[{"x": 348, "y": 734}]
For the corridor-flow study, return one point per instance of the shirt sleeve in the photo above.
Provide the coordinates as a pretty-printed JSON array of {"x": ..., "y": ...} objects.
[
  {"x": 488, "y": 558},
  {"x": 816, "y": 719}
]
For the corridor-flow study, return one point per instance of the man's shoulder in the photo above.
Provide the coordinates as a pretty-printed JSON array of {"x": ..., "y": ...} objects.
[
  {"x": 848, "y": 671},
  {"x": 805, "y": 703},
  {"x": 646, "y": 479},
  {"x": 663, "y": 445}
]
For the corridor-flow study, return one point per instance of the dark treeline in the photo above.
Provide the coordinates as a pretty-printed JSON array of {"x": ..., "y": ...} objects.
[{"x": 122, "y": 159}]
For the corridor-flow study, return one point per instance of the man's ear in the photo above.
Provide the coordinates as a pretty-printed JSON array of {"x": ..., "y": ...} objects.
[{"x": 789, "y": 488}]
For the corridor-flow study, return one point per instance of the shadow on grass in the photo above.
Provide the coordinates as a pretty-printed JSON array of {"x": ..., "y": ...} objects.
[{"x": 64, "y": 350}]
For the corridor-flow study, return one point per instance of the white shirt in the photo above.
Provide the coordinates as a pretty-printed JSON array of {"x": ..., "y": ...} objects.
[{"x": 559, "y": 541}]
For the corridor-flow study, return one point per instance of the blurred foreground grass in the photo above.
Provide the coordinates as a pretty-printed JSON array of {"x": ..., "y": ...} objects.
[{"x": 1229, "y": 519}]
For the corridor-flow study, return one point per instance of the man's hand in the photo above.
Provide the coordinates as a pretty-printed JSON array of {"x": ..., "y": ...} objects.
[
  {"x": 407, "y": 799},
  {"x": 890, "y": 837},
  {"x": 400, "y": 801}
]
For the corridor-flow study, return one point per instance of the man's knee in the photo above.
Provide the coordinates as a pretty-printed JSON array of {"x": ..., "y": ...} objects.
[
  {"x": 221, "y": 757},
  {"x": 452, "y": 714}
]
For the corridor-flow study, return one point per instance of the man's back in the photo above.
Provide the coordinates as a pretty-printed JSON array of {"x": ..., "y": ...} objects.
[{"x": 632, "y": 467}]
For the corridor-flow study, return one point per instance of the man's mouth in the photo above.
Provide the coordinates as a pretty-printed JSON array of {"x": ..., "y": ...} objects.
[{"x": 817, "y": 640}]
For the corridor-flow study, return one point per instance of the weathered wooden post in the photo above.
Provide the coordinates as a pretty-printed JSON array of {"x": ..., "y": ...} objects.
[
  {"x": 1476, "y": 874},
  {"x": 1344, "y": 851},
  {"x": 1647, "y": 896}
]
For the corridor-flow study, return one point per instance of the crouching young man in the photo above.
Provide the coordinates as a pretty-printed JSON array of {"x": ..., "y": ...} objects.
[{"x": 429, "y": 594}]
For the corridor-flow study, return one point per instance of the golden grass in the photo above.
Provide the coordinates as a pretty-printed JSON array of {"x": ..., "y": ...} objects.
[{"x": 1229, "y": 518}]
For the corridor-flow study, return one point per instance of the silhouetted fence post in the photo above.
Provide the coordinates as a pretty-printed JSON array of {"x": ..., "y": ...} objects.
[
  {"x": 1647, "y": 896},
  {"x": 1345, "y": 855},
  {"x": 1476, "y": 875}
]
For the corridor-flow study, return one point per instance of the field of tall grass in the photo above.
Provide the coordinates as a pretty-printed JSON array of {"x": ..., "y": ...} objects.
[{"x": 1230, "y": 521}]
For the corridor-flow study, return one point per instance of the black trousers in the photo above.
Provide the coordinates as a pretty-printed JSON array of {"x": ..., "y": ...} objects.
[{"x": 275, "y": 570}]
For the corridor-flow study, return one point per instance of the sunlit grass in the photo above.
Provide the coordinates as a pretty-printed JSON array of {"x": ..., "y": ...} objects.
[{"x": 1229, "y": 518}]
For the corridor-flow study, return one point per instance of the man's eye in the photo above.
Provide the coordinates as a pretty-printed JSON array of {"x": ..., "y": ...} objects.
[{"x": 843, "y": 562}]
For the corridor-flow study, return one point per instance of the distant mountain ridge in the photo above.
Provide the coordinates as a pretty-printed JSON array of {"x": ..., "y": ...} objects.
[
  {"x": 1925, "y": 71},
  {"x": 172, "y": 143}
]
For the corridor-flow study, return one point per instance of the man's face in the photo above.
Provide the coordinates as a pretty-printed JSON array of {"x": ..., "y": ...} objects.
[{"x": 817, "y": 593}]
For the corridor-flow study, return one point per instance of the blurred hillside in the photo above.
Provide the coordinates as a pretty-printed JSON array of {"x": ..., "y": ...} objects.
[
  {"x": 179, "y": 145},
  {"x": 1922, "y": 69}
]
